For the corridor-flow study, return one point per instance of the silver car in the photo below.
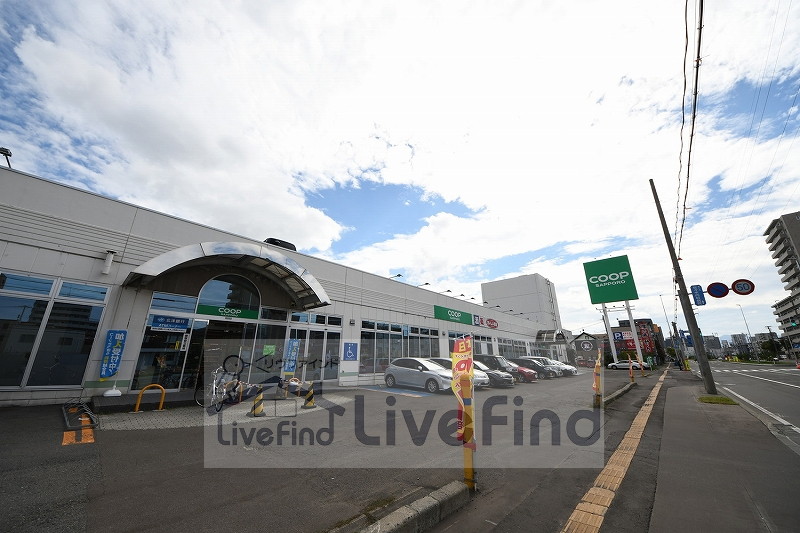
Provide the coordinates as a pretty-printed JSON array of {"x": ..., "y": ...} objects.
[
  {"x": 417, "y": 372},
  {"x": 480, "y": 378}
]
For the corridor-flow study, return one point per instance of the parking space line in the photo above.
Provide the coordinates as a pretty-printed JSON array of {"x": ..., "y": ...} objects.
[{"x": 589, "y": 514}]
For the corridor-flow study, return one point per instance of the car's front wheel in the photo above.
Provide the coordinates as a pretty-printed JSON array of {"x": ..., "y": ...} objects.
[
  {"x": 431, "y": 386},
  {"x": 390, "y": 382}
]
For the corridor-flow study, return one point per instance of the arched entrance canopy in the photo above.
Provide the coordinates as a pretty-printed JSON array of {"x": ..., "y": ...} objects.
[{"x": 305, "y": 290}]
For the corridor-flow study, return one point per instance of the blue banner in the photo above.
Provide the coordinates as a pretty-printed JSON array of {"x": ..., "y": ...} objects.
[
  {"x": 112, "y": 354},
  {"x": 290, "y": 363}
]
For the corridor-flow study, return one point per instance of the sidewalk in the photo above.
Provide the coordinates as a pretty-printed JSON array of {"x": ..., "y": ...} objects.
[{"x": 720, "y": 468}]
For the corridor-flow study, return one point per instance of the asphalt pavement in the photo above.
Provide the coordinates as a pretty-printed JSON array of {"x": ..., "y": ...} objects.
[{"x": 676, "y": 463}]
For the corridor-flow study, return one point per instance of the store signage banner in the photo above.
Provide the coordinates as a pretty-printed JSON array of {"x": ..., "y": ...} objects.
[
  {"x": 227, "y": 312},
  {"x": 112, "y": 354},
  {"x": 452, "y": 315},
  {"x": 462, "y": 367},
  {"x": 169, "y": 323},
  {"x": 610, "y": 280},
  {"x": 290, "y": 364}
]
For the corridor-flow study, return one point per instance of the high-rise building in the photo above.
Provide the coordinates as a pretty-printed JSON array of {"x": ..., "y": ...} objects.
[
  {"x": 783, "y": 238},
  {"x": 530, "y": 296}
]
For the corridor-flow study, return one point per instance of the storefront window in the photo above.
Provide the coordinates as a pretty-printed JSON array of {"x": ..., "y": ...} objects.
[
  {"x": 20, "y": 319},
  {"x": 367, "y": 351},
  {"x": 173, "y": 302},
  {"x": 62, "y": 345},
  {"x": 65, "y": 346}
]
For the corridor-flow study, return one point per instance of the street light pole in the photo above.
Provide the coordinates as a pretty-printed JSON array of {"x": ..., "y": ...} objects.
[{"x": 749, "y": 337}]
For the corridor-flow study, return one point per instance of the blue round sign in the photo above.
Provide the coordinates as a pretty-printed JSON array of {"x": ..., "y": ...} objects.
[{"x": 717, "y": 290}]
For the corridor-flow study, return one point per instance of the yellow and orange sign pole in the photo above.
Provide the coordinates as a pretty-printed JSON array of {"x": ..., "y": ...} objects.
[
  {"x": 462, "y": 386},
  {"x": 598, "y": 392}
]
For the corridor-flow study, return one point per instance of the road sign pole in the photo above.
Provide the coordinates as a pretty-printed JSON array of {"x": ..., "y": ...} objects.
[{"x": 688, "y": 314}]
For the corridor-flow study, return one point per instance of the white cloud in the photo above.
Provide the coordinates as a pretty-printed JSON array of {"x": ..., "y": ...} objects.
[{"x": 547, "y": 119}]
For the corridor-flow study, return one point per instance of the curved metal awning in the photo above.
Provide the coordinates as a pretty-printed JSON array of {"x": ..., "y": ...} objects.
[{"x": 303, "y": 287}]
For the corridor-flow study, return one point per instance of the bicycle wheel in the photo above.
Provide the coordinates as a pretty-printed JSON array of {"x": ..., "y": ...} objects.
[
  {"x": 218, "y": 396},
  {"x": 233, "y": 364},
  {"x": 204, "y": 395}
]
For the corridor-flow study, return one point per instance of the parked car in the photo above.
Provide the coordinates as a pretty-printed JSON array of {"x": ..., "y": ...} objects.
[
  {"x": 565, "y": 370},
  {"x": 498, "y": 362},
  {"x": 479, "y": 378},
  {"x": 624, "y": 365},
  {"x": 417, "y": 372},
  {"x": 526, "y": 374},
  {"x": 545, "y": 372},
  {"x": 497, "y": 378}
]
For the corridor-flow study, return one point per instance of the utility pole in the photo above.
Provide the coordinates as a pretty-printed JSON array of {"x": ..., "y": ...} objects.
[
  {"x": 773, "y": 341},
  {"x": 688, "y": 313}
]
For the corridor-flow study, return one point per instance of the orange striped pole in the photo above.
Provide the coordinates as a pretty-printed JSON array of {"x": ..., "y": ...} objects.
[{"x": 468, "y": 435}]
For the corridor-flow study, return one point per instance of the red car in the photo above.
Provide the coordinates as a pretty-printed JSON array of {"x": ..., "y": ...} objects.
[{"x": 526, "y": 374}]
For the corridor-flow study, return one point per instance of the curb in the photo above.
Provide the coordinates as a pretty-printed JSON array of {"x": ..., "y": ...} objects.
[
  {"x": 424, "y": 513},
  {"x": 617, "y": 393}
]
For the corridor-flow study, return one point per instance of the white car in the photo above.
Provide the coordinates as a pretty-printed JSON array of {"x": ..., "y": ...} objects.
[
  {"x": 479, "y": 378},
  {"x": 624, "y": 365},
  {"x": 566, "y": 370}
]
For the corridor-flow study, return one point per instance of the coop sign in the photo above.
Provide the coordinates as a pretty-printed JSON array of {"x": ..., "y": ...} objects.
[
  {"x": 451, "y": 315},
  {"x": 610, "y": 280}
]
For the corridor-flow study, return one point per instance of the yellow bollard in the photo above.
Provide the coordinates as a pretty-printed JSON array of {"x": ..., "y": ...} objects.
[
  {"x": 630, "y": 369},
  {"x": 309, "y": 398},
  {"x": 258, "y": 404}
]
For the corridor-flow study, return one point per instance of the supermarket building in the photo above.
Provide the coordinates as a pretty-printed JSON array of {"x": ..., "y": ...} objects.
[{"x": 97, "y": 294}]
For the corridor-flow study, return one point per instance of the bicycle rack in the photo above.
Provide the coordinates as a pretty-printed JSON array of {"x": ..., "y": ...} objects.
[
  {"x": 76, "y": 413},
  {"x": 141, "y": 392}
]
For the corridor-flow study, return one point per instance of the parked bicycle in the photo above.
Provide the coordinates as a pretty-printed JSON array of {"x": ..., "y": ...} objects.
[{"x": 224, "y": 387}]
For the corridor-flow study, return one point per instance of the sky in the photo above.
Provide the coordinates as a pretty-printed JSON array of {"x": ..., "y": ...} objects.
[{"x": 453, "y": 143}]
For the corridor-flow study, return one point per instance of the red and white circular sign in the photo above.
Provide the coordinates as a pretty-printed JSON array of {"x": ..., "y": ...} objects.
[{"x": 743, "y": 286}]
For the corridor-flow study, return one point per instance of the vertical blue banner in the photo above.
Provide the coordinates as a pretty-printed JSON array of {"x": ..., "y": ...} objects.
[
  {"x": 112, "y": 354},
  {"x": 290, "y": 363}
]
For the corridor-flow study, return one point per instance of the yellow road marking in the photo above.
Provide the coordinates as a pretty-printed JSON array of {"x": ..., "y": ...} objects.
[{"x": 589, "y": 513}]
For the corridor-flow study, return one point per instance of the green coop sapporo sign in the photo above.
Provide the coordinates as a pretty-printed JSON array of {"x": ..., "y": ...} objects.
[{"x": 610, "y": 280}]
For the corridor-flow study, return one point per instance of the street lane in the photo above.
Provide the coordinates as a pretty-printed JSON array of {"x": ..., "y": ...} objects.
[{"x": 761, "y": 388}]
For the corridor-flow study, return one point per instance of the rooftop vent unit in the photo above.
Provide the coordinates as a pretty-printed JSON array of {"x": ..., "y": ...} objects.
[{"x": 282, "y": 244}]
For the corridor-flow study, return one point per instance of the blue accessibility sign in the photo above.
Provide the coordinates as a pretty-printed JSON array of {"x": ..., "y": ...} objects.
[{"x": 350, "y": 351}]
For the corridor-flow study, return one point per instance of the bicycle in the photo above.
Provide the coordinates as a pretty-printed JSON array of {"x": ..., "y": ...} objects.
[{"x": 224, "y": 386}]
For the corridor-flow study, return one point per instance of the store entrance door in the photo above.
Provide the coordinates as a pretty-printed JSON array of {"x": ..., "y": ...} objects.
[
  {"x": 319, "y": 354},
  {"x": 225, "y": 338}
]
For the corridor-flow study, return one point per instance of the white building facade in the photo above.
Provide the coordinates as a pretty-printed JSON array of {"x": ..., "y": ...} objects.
[{"x": 98, "y": 294}]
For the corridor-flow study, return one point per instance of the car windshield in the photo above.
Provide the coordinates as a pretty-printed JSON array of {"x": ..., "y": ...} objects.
[
  {"x": 512, "y": 364},
  {"x": 480, "y": 366},
  {"x": 446, "y": 363},
  {"x": 430, "y": 365}
]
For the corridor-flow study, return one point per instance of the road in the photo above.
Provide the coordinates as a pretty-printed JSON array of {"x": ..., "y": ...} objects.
[
  {"x": 150, "y": 471},
  {"x": 770, "y": 392}
]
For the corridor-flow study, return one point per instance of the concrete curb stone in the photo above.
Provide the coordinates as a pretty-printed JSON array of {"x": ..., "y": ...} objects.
[{"x": 424, "y": 513}]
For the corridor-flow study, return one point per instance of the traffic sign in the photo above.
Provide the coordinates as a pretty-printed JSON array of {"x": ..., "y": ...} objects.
[
  {"x": 717, "y": 290},
  {"x": 743, "y": 287},
  {"x": 697, "y": 294}
]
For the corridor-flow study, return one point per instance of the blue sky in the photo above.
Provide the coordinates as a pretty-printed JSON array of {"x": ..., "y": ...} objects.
[{"x": 384, "y": 135}]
